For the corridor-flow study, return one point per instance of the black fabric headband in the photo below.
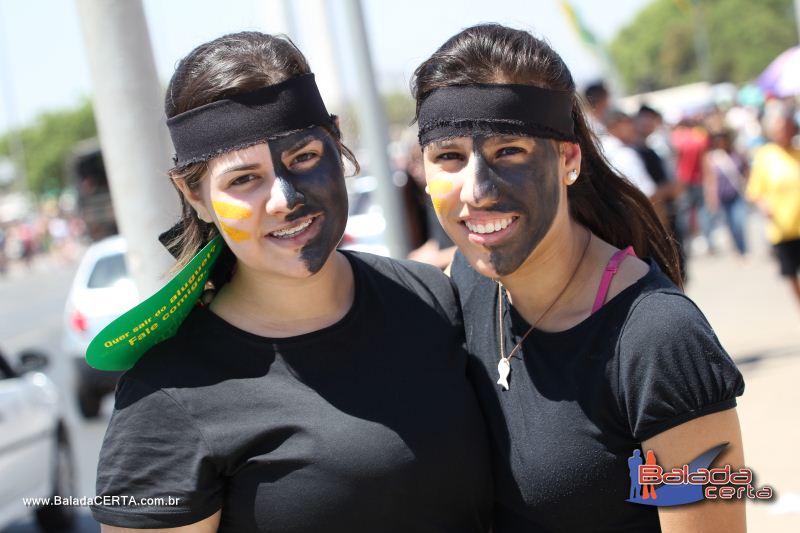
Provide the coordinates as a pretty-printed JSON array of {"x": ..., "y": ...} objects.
[
  {"x": 247, "y": 119},
  {"x": 490, "y": 109}
]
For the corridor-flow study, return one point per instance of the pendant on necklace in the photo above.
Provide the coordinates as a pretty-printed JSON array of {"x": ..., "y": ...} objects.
[{"x": 503, "y": 369}]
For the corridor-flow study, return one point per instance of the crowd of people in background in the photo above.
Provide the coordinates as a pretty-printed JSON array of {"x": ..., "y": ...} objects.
[
  {"x": 56, "y": 234},
  {"x": 712, "y": 167}
]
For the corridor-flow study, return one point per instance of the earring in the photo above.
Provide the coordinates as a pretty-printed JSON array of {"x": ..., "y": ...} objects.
[{"x": 572, "y": 176}]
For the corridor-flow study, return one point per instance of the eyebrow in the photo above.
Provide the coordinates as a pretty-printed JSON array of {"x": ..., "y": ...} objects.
[
  {"x": 240, "y": 167},
  {"x": 509, "y": 138},
  {"x": 444, "y": 144},
  {"x": 300, "y": 143}
]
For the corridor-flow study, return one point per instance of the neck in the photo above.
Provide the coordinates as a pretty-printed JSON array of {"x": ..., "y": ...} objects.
[
  {"x": 552, "y": 268},
  {"x": 273, "y": 306}
]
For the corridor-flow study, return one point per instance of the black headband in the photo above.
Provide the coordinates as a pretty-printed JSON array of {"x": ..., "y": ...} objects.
[
  {"x": 490, "y": 109},
  {"x": 247, "y": 119}
]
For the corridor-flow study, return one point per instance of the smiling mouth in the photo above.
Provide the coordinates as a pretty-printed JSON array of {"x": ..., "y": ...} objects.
[
  {"x": 294, "y": 230},
  {"x": 488, "y": 228}
]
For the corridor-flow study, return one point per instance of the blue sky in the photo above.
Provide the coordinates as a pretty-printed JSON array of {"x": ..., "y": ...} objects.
[{"x": 43, "y": 64}]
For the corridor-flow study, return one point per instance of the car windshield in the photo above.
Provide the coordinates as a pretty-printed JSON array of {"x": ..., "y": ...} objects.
[{"x": 107, "y": 271}]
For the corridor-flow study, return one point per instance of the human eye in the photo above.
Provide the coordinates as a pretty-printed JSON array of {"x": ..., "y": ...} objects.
[
  {"x": 242, "y": 180},
  {"x": 448, "y": 156},
  {"x": 508, "y": 151},
  {"x": 305, "y": 157}
]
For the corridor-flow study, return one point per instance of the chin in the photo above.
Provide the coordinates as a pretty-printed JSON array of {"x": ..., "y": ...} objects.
[{"x": 482, "y": 264}]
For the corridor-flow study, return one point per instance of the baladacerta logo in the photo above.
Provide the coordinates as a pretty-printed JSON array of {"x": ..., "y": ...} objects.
[{"x": 651, "y": 484}]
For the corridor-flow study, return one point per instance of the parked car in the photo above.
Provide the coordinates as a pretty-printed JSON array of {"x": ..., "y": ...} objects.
[
  {"x": 366, "y": 225},
  {"x": 35, "y": 456},
  {"x": 101, "y": 291}
]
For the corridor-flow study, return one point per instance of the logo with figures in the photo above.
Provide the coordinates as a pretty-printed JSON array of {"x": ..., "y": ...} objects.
[{"x": 651, "y": 484}]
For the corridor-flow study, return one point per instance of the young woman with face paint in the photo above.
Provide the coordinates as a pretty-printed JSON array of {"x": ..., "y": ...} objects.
[
  {"x": 319, "y": 390},
  {"x": 581, "y": 351}
]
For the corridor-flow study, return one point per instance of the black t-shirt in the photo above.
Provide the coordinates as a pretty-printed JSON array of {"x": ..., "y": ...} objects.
[
  {"x": 580, "y": 401},
  {"x": 367, "y": 425}
]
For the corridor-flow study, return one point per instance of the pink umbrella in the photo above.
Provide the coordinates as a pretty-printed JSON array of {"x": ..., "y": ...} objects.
[{"x": 782, "y": 76}]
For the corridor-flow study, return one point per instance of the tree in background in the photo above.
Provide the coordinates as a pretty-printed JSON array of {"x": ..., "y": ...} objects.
[
  {"x": 659, "y": 48},
  {"x": 47, "y": 141}
]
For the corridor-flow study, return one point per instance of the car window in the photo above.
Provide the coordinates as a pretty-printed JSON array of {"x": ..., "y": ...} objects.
[
  {"x": 359, "y": 203},
  {"x": 5, "y": 369},
  {"x": 107, "y": 271}
]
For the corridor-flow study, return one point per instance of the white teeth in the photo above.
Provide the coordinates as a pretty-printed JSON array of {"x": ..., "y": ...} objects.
[
  {"x": 293, "y": 230},
  {"x": 491, "y": 227}
]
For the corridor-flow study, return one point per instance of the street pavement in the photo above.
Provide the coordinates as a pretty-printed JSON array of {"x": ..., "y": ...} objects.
[
  {"x": 758, "y": 321},
  {"x": 748, "y": 305}
]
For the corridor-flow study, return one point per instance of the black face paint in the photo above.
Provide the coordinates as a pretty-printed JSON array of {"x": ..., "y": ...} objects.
[
  {"x": 530, "y": 189},
  {"x": 318, "y": 190}
]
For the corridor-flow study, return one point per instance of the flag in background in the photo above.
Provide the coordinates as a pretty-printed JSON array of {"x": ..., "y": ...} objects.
[{"x": 586, "y": 35}]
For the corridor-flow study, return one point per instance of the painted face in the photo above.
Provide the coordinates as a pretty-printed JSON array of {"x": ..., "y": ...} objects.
[
  {"x": 496, "y": 196},
  {"x": 281, "y": 206}
]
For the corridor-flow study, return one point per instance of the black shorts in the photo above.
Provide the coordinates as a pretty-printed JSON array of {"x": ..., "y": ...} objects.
[{"x": 788, "y": 254}]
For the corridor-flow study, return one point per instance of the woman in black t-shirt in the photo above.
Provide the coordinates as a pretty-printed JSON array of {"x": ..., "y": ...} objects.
[
  {"x": 581, "y": 351},
  {"x": 318, "y": 390}
]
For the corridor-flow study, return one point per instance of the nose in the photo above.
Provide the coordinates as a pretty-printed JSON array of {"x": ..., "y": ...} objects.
[
  {"x": 284, "y": 197},
  {"x": 479, "y": 185}
]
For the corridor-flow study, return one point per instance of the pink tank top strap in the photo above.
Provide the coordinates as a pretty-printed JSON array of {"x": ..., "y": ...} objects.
[{"x": 611, "y": 269}]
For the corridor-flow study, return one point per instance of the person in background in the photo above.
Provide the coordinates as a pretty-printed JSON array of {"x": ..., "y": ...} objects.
[
  {"x": 598, "y": 101},
  {"x": 690, "y": 141},
  {"x": 438, "y": 249},
  {"x": 774, "y": 187},
  {"x": 653, "y": 147},
  {"x": 618, "y": 146},
  {"x": 725, "y": 178}
]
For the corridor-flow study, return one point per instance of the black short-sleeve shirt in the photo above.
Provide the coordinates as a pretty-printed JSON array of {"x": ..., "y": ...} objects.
[
  {"x": 368, "y": 425},
  {"x": 581, "y": 400}
]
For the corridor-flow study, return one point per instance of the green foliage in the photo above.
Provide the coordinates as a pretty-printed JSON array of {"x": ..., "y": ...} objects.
[
  {"x": 659, "y": 48},
  {"x": 47, "y": 142}
]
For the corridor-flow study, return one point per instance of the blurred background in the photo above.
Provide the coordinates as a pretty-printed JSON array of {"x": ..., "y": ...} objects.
[{"x": 683, "y": 95}]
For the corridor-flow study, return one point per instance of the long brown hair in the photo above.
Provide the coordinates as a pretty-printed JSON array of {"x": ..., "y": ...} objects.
[
  {"x": 602, "y": 200},
  {"x": 232, "y": 64}
]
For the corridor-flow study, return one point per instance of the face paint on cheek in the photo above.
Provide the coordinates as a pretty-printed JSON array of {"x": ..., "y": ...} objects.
[
  {"x": 529, "y": 189},
  {"x": 439, "y": 188},
  {"x": 292, "y": 195},
  {"x": 323, "y": 191},
  {"x": 234, "y": 234},
  {"x": 231, "y": 211}
]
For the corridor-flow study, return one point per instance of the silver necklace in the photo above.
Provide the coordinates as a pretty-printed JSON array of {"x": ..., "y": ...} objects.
[{"x": 504, "y": 365}]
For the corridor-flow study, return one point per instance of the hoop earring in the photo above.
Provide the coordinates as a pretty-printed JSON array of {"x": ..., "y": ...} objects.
[{"x": 572, "y": 176}]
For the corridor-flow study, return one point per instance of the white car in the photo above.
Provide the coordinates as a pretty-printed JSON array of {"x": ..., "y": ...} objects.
[
  {"x": 366, "y": 225},
  {"x": 35, "y": 457},
  {"x": 101, "y": 291}
]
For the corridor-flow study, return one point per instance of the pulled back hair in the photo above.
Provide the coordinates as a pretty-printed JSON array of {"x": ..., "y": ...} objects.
[
  {"x": 229, "y": 65},
  {"x": 602, "y": 200}
]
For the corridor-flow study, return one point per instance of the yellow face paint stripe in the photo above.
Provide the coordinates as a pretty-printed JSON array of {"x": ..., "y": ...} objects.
[
  {"x": 232, "y": 211},
  {"x": 233, "y": 233},
  {"x": 439, "y": 188}
]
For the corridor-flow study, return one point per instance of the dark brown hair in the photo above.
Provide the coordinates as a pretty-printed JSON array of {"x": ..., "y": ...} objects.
[
  {"x": 232, "y": 64},
  {"x": 610, "y": 206}
]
